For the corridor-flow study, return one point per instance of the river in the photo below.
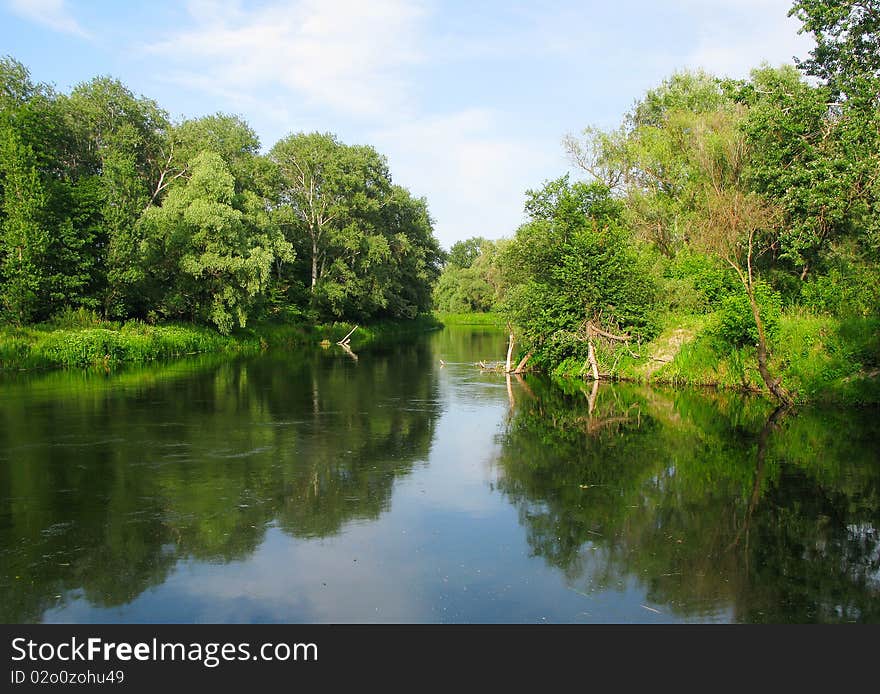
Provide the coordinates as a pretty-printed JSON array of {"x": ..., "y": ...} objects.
[{"x": 391, "y": 486}]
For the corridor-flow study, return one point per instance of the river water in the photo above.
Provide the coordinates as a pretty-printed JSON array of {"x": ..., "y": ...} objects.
[{"x": 318, "y": 487}]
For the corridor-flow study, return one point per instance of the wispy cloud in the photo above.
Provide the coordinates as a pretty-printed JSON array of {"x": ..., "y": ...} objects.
[
  {"x": 343, "y": 54},
  {"x": 51, "y": 13}
]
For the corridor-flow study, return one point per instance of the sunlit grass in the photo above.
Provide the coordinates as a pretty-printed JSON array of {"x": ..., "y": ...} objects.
[
  {"x": 818, "y": 358},
  {"x": 80, "y": 339},
  {"x": 488, "y": 319}
]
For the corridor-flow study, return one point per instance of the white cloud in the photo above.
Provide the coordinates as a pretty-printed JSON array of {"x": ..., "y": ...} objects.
[
  {"x": 735, "y": 36},
  {"x": 50, "y": 13},
  {"x": 474, "y": 177},
  {"x": 345, "y": 54}
]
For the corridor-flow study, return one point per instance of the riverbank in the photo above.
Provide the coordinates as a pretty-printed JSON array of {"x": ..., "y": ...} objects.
[
  {"x": 819, "y": 358},
  {"x": 492, "y": 320},
  {"x": 80, "y": 339}
]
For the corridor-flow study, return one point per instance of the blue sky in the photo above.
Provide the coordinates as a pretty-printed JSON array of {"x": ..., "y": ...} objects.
[{"x": 468, "y": 100}]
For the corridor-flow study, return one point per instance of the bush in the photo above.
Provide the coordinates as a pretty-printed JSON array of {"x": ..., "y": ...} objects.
[
  {"x": 69, "y": 318},
  {"x": 844, "y": 291},
  {"x": 736, "y": 323},
  {"x": 698, "y": 281}
]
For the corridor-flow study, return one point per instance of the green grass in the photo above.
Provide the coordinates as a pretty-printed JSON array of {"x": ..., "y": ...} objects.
[
  {"x": 84, "y": 341},
  {"x": 132, "y": 342},
  {"x": 819, "y": 358},
  {"x": 494, "y": 320}
]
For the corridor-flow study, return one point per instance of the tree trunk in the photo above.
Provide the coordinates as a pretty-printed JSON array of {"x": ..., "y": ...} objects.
[
  {"x": 591, "y": 355},
  {"x": 509, "y": 353},
  {"x": 314, "y": 262},
  {"x": 773, "y": 384},
  {"x": 522, "y": 363}
]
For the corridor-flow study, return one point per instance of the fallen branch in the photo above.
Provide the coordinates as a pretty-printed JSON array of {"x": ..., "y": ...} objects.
[
  {"x": 591, "y": 357},
  {"x": 347, "y": 350},
  {"x": 344, "y": 340},
  {"x": 593, "y": 330},
  {"x": 522, "y": 363}
]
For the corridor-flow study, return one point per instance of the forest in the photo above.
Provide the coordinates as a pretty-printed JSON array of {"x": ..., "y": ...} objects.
[
  {"x": 725, "y": 234},
  {"x": 108, "y": 207}
]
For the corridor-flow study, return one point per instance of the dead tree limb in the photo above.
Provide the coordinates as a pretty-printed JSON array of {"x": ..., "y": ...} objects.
[
  {"x": 344, "y": 340},
  {"x": 522, "y": 363},
  {"x": 591, "y": 357},
  {"x": 593, "y": 330}
]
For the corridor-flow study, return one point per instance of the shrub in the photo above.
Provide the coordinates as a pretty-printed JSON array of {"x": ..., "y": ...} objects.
[
  {"x": 736, "y": 323},
  {"x": 692, "y": 273}
]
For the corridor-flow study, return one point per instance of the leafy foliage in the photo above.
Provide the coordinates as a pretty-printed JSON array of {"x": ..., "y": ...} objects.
[
  {"x": 471, "y": 280},
  {"x": 108, "y": 205},
  {"x": 368, "y": 244},
  {"x": 736, "y": 323},
  {"x": 574, "y": 262}
]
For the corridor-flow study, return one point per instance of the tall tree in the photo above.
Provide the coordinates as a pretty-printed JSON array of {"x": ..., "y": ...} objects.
[
  {"x": 323, "y": 183},
  {"x": 360, "y": 234},
  {"x": 24, "y": 237},
  {"x": 200, "y": 252},
  {"x": 731, "y": 221},
  {"x": 572, "y": 272},
  {"x": 119, "y": 139}
]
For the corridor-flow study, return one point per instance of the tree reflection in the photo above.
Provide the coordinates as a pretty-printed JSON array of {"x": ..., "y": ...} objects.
[
  {"x": 106, "y": 485},
  {"x": 714, "y": 505}
]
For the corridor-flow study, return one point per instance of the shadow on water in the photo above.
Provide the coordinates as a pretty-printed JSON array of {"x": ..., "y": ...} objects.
[{"x": 715, "y": 505}]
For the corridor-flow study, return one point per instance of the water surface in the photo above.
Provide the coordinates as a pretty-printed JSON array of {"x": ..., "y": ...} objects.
[{"x": 313, "y": 487}]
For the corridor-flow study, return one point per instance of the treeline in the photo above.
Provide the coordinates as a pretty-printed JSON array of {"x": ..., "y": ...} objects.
[
  {"x": 107, "y": 205},
  {"x": 750, "y": 202}
]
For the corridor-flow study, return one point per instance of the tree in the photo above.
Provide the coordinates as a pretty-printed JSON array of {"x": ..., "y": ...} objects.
[
  {"x": 470, "y": 281},
  {"x": 368, "y": 243},
  {"x": 817, "y": 166},
  {"x": 462, "y": 254},
  {"x": 847, "y": 53},
  {"x": 46, "y": 220},
  {"x": 733, "y": 222},
  {"x": 573, "y": 273},
  {"x": 24, "y": 238},
  {"x": 323, "y": 183},
  {"x": 119, "y": 140},
  {"x": 415, "y": 255},
  {"x": 202, "y": 257},
  {"x": 847, "y": 60}
]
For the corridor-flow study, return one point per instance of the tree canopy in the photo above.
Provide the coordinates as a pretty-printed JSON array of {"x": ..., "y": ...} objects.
[{"x": 107, "y": 204}]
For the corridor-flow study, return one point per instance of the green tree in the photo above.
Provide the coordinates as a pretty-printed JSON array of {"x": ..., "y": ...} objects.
[
  {"x": 573, "y": 270},
  {"x": 817, "y": 167},
  {"x": 24, "y": 237},
  {"x": 463, "y": 254},
  {"x": 471, "y": 278},
  {"x": 200, "y": 250},
  {"x": 643, "y": 161},
  {"x": 323, "y": 183},
  {"x": 368, "y": 245},
  {"x": 47, "y": 215},
  {"x": 847, "y": 60},
  {"x": 847, "y": 52},
  {"x": 119, "y": 140}
]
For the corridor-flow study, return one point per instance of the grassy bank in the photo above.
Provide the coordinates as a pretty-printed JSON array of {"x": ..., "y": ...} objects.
[
  {"x": 80, "y": 339},
  {"x": 819, "y": 358},
  {"x": 493, "y": 320}
]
